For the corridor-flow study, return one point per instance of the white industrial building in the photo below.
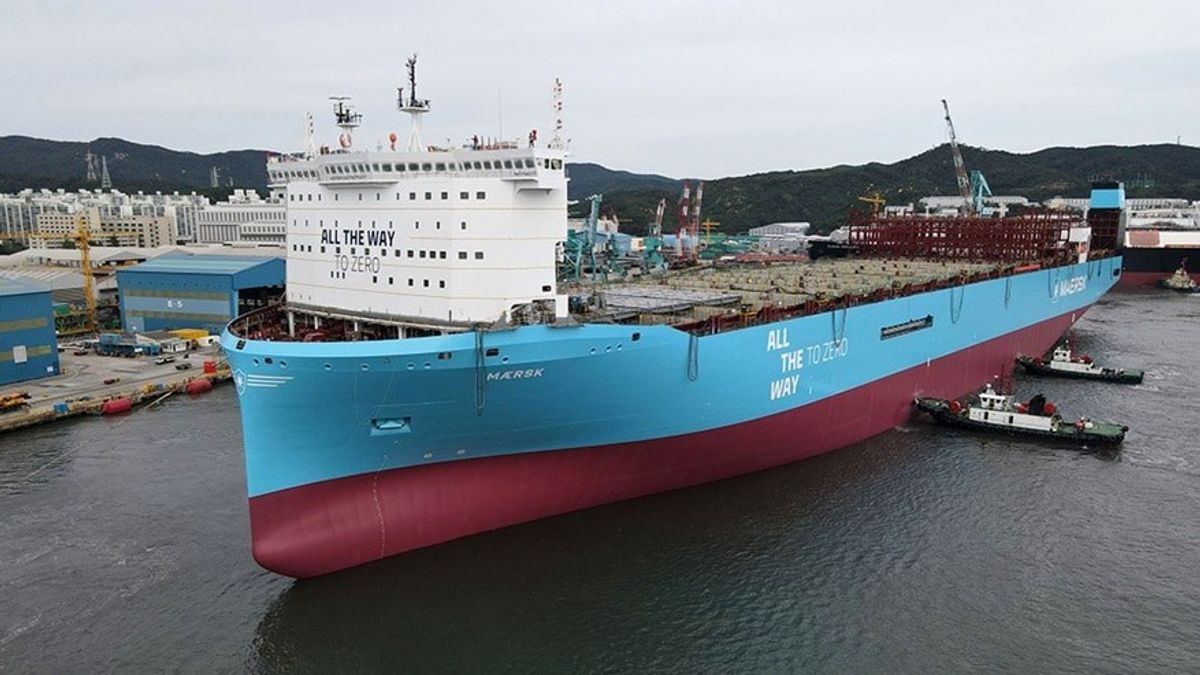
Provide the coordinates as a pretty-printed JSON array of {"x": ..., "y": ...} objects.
[
  {"x": 19, "y": 212},
  {"x": 244, "y": 217},
  {"x": 948, "y": 205}
]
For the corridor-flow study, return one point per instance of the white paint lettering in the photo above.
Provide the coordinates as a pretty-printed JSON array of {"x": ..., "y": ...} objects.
[
  {"x": 777, "y": 338},
  {"x": 789, "y": 361},
  {"x": 785, "y": 387}
]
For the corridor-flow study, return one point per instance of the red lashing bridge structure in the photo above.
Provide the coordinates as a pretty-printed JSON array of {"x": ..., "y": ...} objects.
[{"x": 1035, "y": 237}]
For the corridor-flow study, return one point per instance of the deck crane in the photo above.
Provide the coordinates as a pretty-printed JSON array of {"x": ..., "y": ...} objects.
[{"x": 960, "y": 168}]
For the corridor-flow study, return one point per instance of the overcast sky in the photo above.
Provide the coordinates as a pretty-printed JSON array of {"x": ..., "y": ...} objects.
[{"x": 692, "y": 88}]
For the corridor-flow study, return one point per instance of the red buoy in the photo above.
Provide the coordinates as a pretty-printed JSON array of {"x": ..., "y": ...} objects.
[
  {"x": 1049, "y": 409},
  {"x": 955, "y": 407},
  {"x": 116, "y": 406},
  {"x": 198, "y": 386}
]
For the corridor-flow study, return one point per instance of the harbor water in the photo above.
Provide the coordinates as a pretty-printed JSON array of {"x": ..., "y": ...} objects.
[{"x": 124, "y": 546}]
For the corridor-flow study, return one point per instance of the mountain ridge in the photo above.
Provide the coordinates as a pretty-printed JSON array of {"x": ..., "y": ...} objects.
[{"x": 821, "y": 196}]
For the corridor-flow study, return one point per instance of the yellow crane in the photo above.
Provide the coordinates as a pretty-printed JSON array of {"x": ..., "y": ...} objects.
[
  {"x": 85, "y": 266},
  {"x": 876, "y": 200},
  {"x": 708, "y": 225}
]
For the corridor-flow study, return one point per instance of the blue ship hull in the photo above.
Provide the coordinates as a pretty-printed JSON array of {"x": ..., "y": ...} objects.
[{"x": 360, "y": 450}]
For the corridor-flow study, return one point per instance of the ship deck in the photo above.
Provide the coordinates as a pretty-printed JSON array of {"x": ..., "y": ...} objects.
[{"x": 704, "y": 299}]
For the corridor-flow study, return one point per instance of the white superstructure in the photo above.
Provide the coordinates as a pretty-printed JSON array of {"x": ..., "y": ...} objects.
[
  {"x": 1001, "y": 410},
  {"x": 423, "y": 234}
]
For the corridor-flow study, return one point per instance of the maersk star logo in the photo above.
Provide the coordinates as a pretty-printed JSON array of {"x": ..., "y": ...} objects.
[{"x": 239, "y": 381}]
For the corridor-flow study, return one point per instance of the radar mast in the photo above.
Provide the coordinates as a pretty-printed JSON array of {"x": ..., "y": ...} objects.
[
  {"x": 414, "y": 106},
  {"x": 347, "y": 119}
]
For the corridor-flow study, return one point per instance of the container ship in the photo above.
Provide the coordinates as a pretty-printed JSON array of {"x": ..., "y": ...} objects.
[{"x": 428, "y": 376}]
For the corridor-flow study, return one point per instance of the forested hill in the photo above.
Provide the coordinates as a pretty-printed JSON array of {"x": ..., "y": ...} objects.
[
  {"x": 39, "y": 163},
  {"x": 820, "y": 196},
  {"x": 824, "y": 196}
]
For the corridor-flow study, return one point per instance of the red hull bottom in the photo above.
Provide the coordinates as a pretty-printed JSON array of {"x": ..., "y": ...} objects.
[
  {"x": 1149, "y": 278},
  {"x": 324, "y": 527}
]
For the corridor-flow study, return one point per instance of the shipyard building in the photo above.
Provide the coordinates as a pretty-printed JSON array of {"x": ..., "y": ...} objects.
[
  {"x": 177, "y": 290},
  {"x": 28, "y": 348},
  {"x": 245, "y": 217}
]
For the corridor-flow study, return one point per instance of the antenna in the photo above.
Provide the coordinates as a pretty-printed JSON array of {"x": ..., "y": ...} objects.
[
  {"x": 556, "y": 106},
  {"x": 347, "y": 119},
  {"x": 415, "y": 107},
  {"x": 310, "y": 143}
]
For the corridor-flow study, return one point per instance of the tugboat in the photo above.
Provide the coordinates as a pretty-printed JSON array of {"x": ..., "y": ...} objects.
[
  {"x": 1039, "y": 418},
  {"x": 1180, "y": 281},
  {"x": 1063, "y": 363}
]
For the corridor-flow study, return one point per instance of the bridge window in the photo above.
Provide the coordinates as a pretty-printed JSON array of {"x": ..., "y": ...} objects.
[
  {"x": 422, "y": 253},
  {"x": 479, "y": 255},
  {"x": 410, "y": 280},
  {"x": 441, "y": 284},
  {"x": 480, "y": 195},
  {"x": 428, "y": 195},
  {"x": 508, "y": 164},
  {"x": 442, "y": 255},
  {"x": 426, "y": 283},
  {"x": 441, "y": 166},
  {"x": 464, "y": 195},
  {"x": 462, "y": 255},
  {"x": 412, "y": 195},
  {"x": 445, "y": 195},
  {"x": 464, "y": 224}
]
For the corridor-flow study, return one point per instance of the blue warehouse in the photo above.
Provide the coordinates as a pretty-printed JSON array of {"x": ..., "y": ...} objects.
[
  {"x": 28, "y": 346},
  {"x": 180, "y": 290}
]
